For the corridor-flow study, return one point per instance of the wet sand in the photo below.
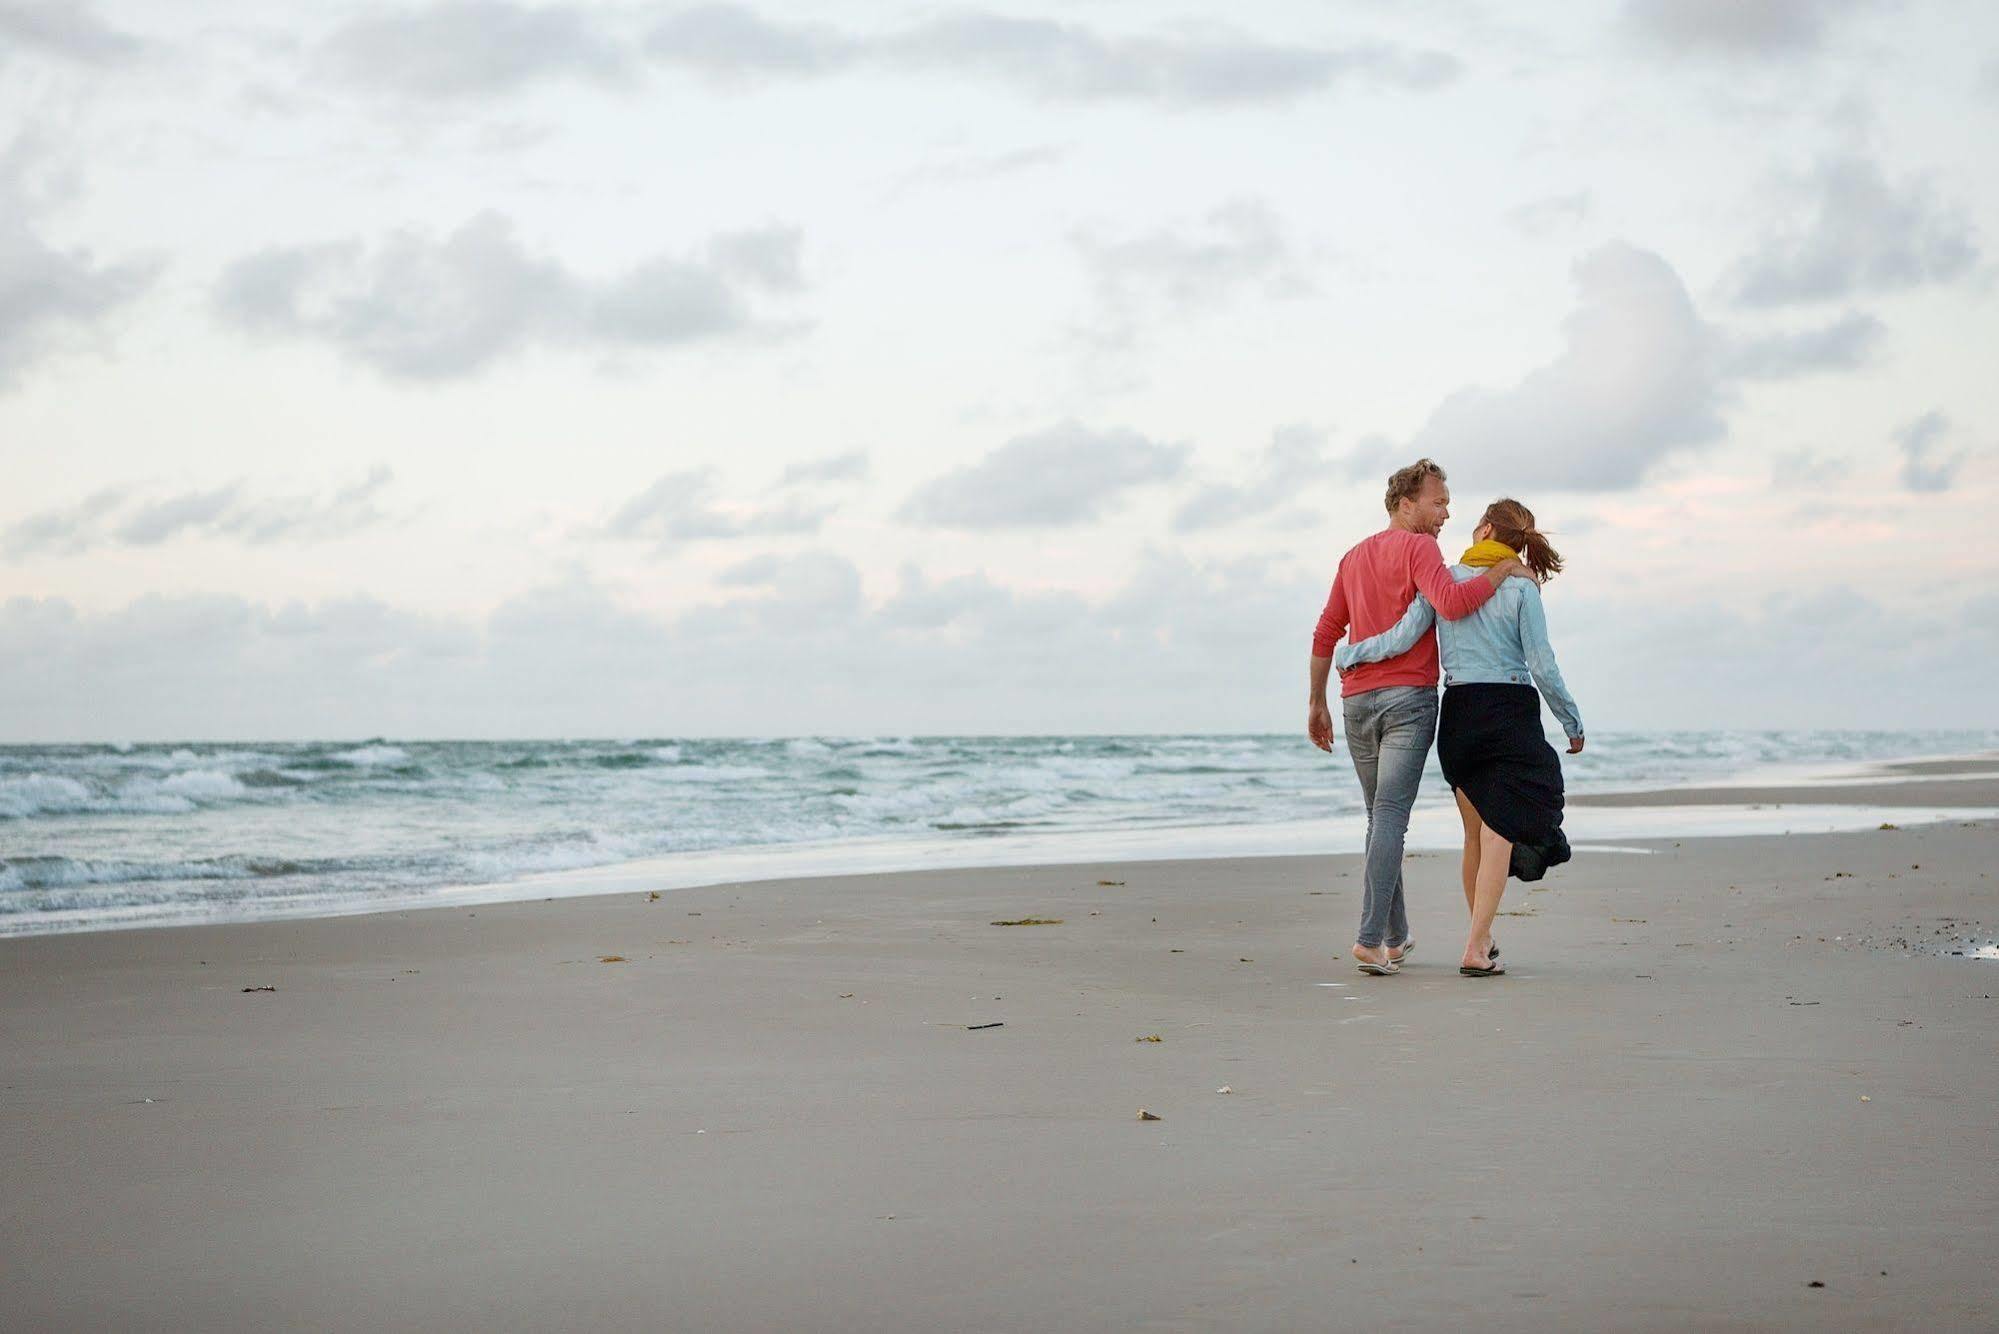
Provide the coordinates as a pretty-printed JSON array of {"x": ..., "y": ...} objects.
[
  {"x": 1968, "y": 791},
  {"x": 1715, "y": 1076},
  {"x": 1963, "y": 781}
]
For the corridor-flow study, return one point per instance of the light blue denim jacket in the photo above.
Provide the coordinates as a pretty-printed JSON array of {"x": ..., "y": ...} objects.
[{"x": 1504, "y": 640}]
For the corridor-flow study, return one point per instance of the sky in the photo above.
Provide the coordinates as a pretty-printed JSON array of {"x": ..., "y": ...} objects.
[{"x": 482, "y": 369}]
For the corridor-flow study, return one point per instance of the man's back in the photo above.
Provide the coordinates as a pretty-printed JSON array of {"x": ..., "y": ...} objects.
[{"x": 1377, "y": 580}]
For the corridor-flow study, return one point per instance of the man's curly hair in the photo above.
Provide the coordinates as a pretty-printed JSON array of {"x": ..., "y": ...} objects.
[{"x": 1407, "y": 482}]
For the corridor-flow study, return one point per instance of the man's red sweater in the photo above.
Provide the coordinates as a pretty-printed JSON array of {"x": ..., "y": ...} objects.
[{"x": 1376, "y": 582}]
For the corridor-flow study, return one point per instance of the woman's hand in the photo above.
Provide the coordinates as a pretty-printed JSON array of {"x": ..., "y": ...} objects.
[{"x": 1575, "y": 745}]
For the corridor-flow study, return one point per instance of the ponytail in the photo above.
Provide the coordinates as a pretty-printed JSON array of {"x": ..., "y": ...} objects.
[{"x": 1513, "y": 524}]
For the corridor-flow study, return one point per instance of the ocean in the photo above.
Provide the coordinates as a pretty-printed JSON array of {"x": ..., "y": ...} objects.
[{"x": 95, "y": 836}]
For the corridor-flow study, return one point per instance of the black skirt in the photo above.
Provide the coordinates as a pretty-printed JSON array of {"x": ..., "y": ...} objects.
[{"x": 1492, "y": 749}]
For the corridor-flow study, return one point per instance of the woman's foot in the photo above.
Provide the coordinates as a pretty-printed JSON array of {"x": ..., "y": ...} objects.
[
  {"x": 1397, "y": 953},
  {"x": 1373, "y": 959},
  {"x": 1481, "y": 959}
]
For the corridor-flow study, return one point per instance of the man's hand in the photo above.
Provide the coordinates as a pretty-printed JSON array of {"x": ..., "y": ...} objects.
[
  {"x": 1575, "y": 745},
  {"x": 1507, "y": 569},
  {"x": 1319, "y": 725}
]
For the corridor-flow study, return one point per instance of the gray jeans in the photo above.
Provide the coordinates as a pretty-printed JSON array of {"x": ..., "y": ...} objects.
[{"x": 1389, "y": 732}]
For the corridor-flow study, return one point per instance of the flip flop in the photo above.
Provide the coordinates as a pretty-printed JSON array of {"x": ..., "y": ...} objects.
[
  {"x": 1490, "y": 970},
  {"x": 1403, "y": 951},
  {"x": 1389, "y": 969}
]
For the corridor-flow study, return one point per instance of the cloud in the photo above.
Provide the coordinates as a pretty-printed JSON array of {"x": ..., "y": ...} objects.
[
  {"x": 960, "y": 654},
  {"x": 811, "y": 590},
  {"x": 1070, "y": 62},
  {"x": 49, "y": 296},
  {"x": 768, "y": 257},
  {"x": 1735, "y": 27},
  {"x": 64, "y": 29},
  {"x": 1862, "y": 234},
  {"x": 423, "y": 309},
  {"x": 729, "y": 41},
  {"x": 1294, "y": 459},
  {"x": 155, "y": 523},
  {"x": 1922, "y": 468},
  {"x": 919, "y": 604},
  {"x": 63, "y": 531},
  {"x": 219, "y": 512},
  {"x": 679, "y": 507},
  {"x": 1187, "y": 269},
  {"x": 1055, "y": 61},
  {"x": 1539, "y": 217},
  {"x": 1638, "y": 380},
  {"x": 1847, "y": 343},
  {"x": 849, "y": 467},
  {"x": 1064, "y": 475},
  {"x": 468, "y": 49},
  {"x": 1804, "y": 467},
  {"x": 977, "y": 167}
]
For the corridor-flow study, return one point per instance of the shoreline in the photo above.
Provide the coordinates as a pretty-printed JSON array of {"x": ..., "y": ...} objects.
[
  {"x": 1714, "y": 1076},
  {"x": 1826, "y": 799}
]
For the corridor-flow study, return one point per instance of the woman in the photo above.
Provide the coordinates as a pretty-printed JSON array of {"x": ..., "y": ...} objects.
[{"x": 1506, "y": 777}]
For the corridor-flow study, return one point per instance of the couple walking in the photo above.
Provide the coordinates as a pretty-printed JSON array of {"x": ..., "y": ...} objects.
[{"x": 1493, "y": 637}]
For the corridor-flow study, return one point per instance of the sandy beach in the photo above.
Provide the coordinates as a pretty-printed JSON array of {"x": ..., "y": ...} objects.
[{"x": 1718, "y": 1076}]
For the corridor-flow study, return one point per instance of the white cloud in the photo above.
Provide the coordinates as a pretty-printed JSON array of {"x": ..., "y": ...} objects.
[
  {"x": 64, "y": 531},
  {"x": 1046, "y": 58},
  {"x": 1294, "y": 460},
  {"x": 730, "y": 41},
  {"x": 424, "y": 309},
  {"x": 1063, "y": 475},
  {"x": 1736, "y": 27},
  {"x": 465, "y": 49},
  {"x": 1238, "y": 246},
  {"x": 64, "y": 29},
  {"x": 790, "y": 594},
  {"x": 1847, "y": 343},
  {"x": 969, "y": 168},
  {"x": 50, "y": 298},
  {"x": 681, "y": 507},
  {"x": 1922, "y": 467},
  {"x": 1861, "y": 233},
  {"x": 851, "y": 466},
  {"x": 117, "y": 516},
  {"x": 1550, "y": 213},
  {"x": 1639, "y": 379},
  {"x": 569, "y": 658},
  {"x": 1071, "y": 62}
]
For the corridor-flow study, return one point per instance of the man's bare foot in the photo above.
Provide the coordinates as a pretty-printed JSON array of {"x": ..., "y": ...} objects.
[
  {"x": 1478, "y": 954},
  {"x": 1396, "y": 953}
]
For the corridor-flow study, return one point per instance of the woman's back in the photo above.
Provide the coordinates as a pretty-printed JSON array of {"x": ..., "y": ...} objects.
[{"x": 1487, "y": 645}]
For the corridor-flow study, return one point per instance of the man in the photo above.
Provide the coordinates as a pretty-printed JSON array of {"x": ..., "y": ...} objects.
[{"x": 1390, "y": 707}]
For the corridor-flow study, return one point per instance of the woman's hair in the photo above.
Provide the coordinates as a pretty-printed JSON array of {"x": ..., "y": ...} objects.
[
  {"x": 1513, "y": 524},
  {"x": 1406, "y": 483}
]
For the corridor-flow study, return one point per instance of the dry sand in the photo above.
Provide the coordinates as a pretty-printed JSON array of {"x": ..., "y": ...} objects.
[{"x": 1714, "y": 1077}]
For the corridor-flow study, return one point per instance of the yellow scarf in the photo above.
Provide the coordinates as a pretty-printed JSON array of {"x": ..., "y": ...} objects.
[{"x": 1487, "y": 552}]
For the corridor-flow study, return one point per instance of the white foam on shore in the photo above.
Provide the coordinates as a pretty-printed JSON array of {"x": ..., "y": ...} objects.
[{"x": 1429, "y": 831}]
